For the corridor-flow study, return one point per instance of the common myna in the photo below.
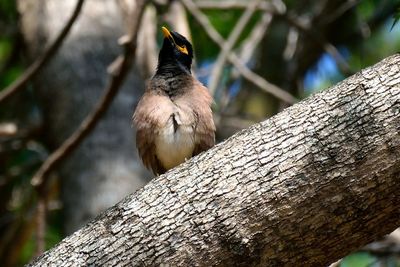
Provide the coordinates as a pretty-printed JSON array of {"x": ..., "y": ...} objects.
[{"x": 173, "y": 118}]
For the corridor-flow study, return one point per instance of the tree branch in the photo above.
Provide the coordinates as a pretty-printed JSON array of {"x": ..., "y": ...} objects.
[
  {"x": 325, "y": 45},
  {"x": 40, "y": 231},
  {"x": 239, "y": 65},
  {"x": 118, "y": 70},
  {"x": 231, "y": 4},
  {"x": 250, "y": 44},
  {"x": 229, "y": 44},
  {"x": 309, "y": 185},
  {"x": 38, "y": 65}
]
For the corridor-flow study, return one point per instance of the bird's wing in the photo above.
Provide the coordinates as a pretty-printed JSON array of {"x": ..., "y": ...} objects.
[
  {"x": 200, "y": 101},
  {"x": 151, "y": 114},
  {"x": 205, "y": 133}
]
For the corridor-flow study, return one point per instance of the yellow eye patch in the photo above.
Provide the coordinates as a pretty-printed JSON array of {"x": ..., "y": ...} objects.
[{"x": 183, "y": 49}]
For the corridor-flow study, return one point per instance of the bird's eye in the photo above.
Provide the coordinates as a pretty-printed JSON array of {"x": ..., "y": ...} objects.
[{"x": 183, "y": 49}]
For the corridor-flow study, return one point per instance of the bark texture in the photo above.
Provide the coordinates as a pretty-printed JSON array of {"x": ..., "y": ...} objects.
[
  {"x": 306, "y": 187},
  {"x": 105, "y": 168}
]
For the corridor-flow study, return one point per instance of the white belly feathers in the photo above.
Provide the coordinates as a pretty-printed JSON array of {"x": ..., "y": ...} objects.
[{"x": 174, "y": 142}]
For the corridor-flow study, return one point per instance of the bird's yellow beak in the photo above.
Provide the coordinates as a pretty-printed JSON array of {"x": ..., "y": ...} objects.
[{"x": 167, "y": 34}]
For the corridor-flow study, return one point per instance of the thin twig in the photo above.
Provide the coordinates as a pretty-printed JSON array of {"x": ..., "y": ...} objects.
[
  {"x": 232, "y": 4},
  {"x": 261, "y": 82},
  {"x": 43, "y": 59},
  {"x": 336, "y": 263},
  {"x": 244, "y": 71},
  {"x": 247, "y": 50},
  {"x": 118, "y": 71},
  {"x": 328, "y": 47},
  {"x": 292, "y": 39},
  {"x": 8, "y": 129},
  {"x": 272, "y": 6},
  {"x": 229, "y": 44},
  {"x": 346, "y": 6},
  {"x": 147, "y": 44},
  {"x": 41, "y": 214},
  {"x": 258, "y": 32}
]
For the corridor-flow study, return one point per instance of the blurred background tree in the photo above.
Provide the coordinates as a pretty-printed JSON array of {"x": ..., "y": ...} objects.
[{"x": 257, "y": 57}]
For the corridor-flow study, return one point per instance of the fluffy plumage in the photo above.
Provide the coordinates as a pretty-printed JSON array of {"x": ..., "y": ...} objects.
[{"x": 173, "y": 118}]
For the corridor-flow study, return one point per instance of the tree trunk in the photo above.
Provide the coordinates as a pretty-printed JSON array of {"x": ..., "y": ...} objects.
[
  {"x": 307, "y": 187},
  {"x": 105, "y": 168}
]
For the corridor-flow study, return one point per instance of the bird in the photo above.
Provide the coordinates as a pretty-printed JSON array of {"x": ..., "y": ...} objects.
[{"x": 173, "y": 118}]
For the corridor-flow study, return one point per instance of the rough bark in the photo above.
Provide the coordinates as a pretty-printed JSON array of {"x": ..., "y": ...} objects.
[
  {"x": 105, "y": 168},
  {"x": 307, "y": 186}
]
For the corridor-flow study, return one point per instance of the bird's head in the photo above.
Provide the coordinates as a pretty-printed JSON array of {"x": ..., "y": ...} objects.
[{"x": 176, "y": 50}]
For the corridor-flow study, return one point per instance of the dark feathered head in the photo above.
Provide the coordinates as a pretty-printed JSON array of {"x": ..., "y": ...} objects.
[{"x": 176, "y": 51}]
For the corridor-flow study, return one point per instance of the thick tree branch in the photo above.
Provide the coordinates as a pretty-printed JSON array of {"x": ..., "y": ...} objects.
[
  {"x": 42, "y": 61},
  {"x": 308, "y": 186}
]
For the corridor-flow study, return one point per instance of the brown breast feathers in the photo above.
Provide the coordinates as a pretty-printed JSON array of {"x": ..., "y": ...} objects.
[{"x": 173, "y": 127}]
